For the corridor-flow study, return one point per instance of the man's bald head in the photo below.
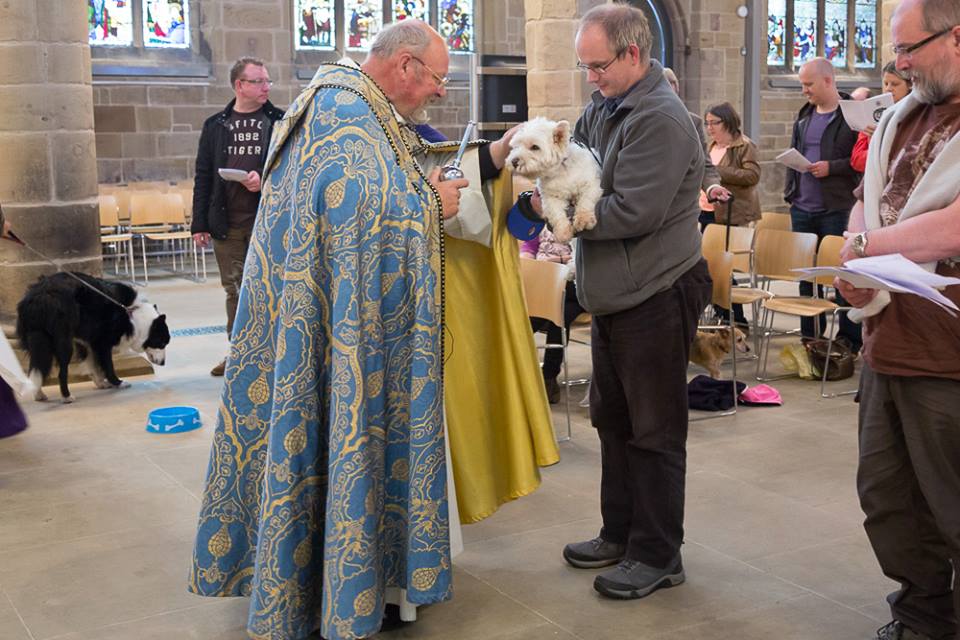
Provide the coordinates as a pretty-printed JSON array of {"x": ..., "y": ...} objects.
[
  {"x": 411, "y": 35},
  {"x": 820, "y": 67},
  {"x": 409, "y": 60},
  {"x": 817, "y": 84}
]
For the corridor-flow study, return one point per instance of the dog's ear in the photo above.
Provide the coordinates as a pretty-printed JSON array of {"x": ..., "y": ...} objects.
[
  {"x": 561, "y": 134},
  {"x": 162, "y": 317}
]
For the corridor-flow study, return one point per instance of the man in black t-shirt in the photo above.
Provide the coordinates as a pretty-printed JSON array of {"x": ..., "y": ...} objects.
[{"x": 236, "y": 138}]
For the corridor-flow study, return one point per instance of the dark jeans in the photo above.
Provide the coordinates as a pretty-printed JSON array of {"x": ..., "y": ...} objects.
[
  {"x": 827, "y": 223},
  {"x": 909, "y": 489},
  {"x": 231, "y": 254},
  {"x": 553, "y": 358},
  {"x": 638, "y": 404}
]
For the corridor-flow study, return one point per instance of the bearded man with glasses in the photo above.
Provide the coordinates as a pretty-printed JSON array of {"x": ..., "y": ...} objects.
[
  {"x": 235, "y": 138},
  {"x": 908, "y": 478}
]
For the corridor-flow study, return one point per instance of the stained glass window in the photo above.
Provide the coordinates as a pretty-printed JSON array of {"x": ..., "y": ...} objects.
[
  {"x": 411, "y": 9},
  {"x": 455, "y": 24},
  {"x": 110, "y": 22},
  {"x": 364, "y": 18},
  {"x": 166, "y": 23},
  {"x": 316, "y": 24},
  {"x": 835, "y": 32},
  {"x": 776, "y": 32},
  {"x": 864, "y": 34},
  {"x": 805, "y": 31}
]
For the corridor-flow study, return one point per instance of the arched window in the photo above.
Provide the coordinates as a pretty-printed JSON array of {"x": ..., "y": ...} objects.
[
  {"x": 156, "y": 24},
  {"x": 846, "y": 32},
  {"x": 318, "y": 22}
]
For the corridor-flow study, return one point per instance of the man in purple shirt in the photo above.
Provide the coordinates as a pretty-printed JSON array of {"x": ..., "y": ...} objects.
[{"x": 821, "y": 198}]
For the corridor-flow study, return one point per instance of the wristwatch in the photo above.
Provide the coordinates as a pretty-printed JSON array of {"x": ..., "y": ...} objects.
[{"x": 859, "y": 245}]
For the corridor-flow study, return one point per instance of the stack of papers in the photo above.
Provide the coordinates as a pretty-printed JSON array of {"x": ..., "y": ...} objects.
[
  {"x": 861, "y": 114},
  {"x": 890, "y": 273}
]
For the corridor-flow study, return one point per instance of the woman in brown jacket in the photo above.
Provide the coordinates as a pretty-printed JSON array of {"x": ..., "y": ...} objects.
[{"x": 735, "y": 157}]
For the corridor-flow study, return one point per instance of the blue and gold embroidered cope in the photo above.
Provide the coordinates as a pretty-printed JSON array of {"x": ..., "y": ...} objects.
[{"x": 327, "y": 473}]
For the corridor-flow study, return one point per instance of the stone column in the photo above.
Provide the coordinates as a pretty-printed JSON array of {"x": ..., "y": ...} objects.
[
  {"x": 48, "y": 168},
  {"x": 555, "y": 87},
  {"x": 886, "y": 11}
]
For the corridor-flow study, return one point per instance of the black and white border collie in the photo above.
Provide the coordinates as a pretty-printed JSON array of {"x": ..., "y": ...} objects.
[{"x": 58, "y": 313}]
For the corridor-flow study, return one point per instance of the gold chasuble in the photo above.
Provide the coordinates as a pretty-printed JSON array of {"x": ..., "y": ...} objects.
[{"x": 498, "y": 420}]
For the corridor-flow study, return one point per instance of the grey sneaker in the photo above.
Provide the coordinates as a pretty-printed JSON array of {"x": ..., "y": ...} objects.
[
  {"x": 593, "y": 554},
  {"x": 633, "y": 579},
  {"x": 896, "y": 630}
]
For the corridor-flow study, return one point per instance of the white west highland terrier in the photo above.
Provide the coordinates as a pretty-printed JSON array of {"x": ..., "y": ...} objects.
[{"x": 567, "y": 174}]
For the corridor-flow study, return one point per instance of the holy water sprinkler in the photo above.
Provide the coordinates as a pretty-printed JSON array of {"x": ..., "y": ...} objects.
[{"x": 452, "y": 171}]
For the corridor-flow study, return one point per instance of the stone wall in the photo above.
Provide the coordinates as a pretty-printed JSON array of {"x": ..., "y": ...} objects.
[{"x": 48, "y": 180}]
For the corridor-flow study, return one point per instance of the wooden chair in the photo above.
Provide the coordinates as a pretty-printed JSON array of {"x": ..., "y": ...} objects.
[
  {"x": 111, "y": 235},
  {"x": 774, "y": 220},
  {"x": 777, "y": 254},
  {"x": 741, "y": 246},
  {"x": 828, "y": 255},
  {"x": 544, "y": 287},
  {"x": 160, "y": 217}
]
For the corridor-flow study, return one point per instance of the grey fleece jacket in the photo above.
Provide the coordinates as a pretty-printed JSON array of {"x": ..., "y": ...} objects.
[{"x": 652, "y": 165}]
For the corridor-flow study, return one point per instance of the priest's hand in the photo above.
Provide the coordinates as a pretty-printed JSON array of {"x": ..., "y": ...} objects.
[
  {"x": 500, "y": 149},
  {"x": 449, "y": 191}
]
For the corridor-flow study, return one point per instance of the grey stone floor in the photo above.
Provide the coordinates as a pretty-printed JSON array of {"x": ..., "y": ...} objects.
[{"x": 97, "y": 520}]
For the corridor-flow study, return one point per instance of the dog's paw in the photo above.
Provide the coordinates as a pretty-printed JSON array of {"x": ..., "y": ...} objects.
[
  {"x": 584, "y": 220},
  {"x": 102, "y": 384},
  {"x": 67, "y": 400},
  {"x": 562, "y": 231},
  {"x": 40, "y": 396},
  {"x": 123, "y": 385}
]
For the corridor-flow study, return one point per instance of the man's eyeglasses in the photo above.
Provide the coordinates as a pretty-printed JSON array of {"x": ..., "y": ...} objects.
[
  {"x": 439, "y": 79},
  {"x": 907, "y": 49},
  {"x": 600, "y": 69},
  {"x": 258, "y": 83}
]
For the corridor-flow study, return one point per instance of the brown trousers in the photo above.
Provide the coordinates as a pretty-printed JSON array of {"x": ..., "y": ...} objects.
[
  {"x": 909, "y": 486},
  {"x": 231, "y": 254}
]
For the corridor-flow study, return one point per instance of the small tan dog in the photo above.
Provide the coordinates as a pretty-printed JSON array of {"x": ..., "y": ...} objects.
[{"x": 711, "y": 347}]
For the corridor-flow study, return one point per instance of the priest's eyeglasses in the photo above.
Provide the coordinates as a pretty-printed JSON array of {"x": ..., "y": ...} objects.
[{"x": 439, "y": 79}]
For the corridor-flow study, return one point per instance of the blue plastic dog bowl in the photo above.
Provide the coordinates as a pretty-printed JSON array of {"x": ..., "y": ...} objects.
[{"x": 173, "y": 420}]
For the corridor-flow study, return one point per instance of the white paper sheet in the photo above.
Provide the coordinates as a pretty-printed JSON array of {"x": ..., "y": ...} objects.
[
  {"x": 795, "y": 160},
  {"x": 861, "y": 114},
  {"x": 234, "y": 175},
  {"x": 890, "y": 273}
]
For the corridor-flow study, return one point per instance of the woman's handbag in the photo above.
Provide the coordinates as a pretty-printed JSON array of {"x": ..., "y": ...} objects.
[{"x": 839, "y": 362}]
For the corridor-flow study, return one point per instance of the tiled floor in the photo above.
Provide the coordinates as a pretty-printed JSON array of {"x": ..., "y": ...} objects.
[{"x": 97, "y": 520}]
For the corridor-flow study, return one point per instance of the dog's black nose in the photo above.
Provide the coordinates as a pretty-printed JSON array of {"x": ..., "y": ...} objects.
[{"x": 516, "y": 163}]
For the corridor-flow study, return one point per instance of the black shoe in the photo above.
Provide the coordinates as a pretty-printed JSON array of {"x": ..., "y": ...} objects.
[
  {"x": 633, "y": 579},
  {"x": 896, "y": 630},
  {"x": 391, "y": 618},
  {"x": 553, "y": 390},
  {"x": 593, "y": 554}
]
